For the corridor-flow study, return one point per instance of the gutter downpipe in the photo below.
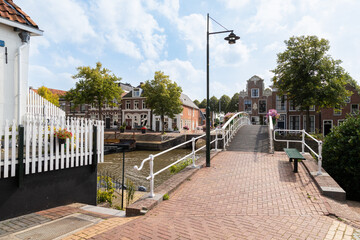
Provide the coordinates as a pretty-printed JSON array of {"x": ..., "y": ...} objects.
[{"x": 19, "y": 80}]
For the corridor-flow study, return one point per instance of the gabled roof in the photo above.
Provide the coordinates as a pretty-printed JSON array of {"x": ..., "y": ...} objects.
[
  {"x": 187, "y": 101},
  {"x": 13, "y": 13}
]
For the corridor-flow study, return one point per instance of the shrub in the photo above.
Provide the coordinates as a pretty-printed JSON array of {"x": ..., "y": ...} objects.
[
  {"x": 341, "y": 154},
  {"x": 130, "y": 191},
  {"x": 180, "y": 166},
  {"x": 166, "y": 197},
  {"x": 107, "y": 195}
]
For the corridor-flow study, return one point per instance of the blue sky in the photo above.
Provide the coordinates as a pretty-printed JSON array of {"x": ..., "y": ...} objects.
[{"x": 136, "y": 38}]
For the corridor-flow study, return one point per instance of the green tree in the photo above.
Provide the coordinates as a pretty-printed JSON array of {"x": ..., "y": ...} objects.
[
  {"x": 95, "y": 86},
  {"x": 162, "y": 96},
  {"x": 197, "y": 103},
  {"x": 214, "y": 104},
  {"x": 203, "y": 103},
  {"x": 48, "y": 95},
  {"x": 309, "y": 76},
  {"x": 224, "y": 103},
  {"x": 234, "y": 103}
]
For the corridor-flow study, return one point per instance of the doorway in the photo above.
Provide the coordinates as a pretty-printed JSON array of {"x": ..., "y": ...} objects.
[{"x": 327, "y": 126}]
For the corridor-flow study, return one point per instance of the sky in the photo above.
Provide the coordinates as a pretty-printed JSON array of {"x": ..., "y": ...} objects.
[{"x": 136, "y": 38}]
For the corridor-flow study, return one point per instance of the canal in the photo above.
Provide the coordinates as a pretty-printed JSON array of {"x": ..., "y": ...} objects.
[{"x": 112, "y": 165}]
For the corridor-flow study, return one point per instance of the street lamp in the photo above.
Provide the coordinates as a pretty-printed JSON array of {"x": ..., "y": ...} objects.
[{"x": 231, "y": 39}]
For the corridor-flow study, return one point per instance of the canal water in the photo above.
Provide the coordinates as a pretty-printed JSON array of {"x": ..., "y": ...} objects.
[{"x": 112, "y": 165}]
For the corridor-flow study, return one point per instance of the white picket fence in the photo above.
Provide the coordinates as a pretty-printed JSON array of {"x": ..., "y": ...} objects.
[
  {"x": 42, "y": 151},
  {"x": 39, "y": 106}
]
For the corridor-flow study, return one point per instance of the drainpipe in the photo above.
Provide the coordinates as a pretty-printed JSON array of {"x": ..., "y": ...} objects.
[
  {"x": 25, "y": 38},
  {"x": 19, "y": 80}
]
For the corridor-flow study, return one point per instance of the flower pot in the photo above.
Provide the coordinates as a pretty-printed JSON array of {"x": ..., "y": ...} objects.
[
  {"x": 61, "y": 141},
  {"x": 143, "y": 131},
  {"x": 122, "y": 130}
]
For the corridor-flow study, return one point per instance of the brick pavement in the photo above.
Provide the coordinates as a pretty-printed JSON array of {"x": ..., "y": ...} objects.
[{"x": 242, "y": 196}]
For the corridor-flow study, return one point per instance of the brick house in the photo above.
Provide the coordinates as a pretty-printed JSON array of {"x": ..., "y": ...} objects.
[
  {"x": 256, "y": 100},
  {"x": 322, "y": 120}
]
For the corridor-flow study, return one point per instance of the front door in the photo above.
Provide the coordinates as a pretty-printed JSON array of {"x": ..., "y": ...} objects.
[
  {"x": 128, "y": 124},
  {"x": 157, "y": 127},
  {"x": 327, "y": 126},
  {"x": 107, "y": 123},
  {"x": 281, "y": 123}
]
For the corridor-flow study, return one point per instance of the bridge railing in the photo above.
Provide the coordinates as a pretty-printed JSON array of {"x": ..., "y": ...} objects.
[
  {"x": 303, "y": 144},
  {"x": 228, "y": 130},
  {"x": 271, "y": 129}
]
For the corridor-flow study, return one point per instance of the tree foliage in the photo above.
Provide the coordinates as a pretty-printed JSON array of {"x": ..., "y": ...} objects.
[
  {"x": 95, "y": 86},
  {"x": 214, "y": 104},
  {"x": 309, "y": 76},
  {"x": 162, "y": 96},
  {"x": 234, "y": 103},
  {"x": 48, "y": 95},
  {"x": 341, "y": 154},
  {"x": 196, "y": 102},
  {"x": 203, "y": 103},
  {"x": 224, "y": 103}
]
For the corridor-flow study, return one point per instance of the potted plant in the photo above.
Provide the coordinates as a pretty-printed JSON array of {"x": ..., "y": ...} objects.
[
  {"x": 143, "y": 129},
  {"x": 274, "y": 116},
  {"x": 186, "y": 128},
  {"x": 122, "y": 127},
  {"x": 62, "y": 135}
]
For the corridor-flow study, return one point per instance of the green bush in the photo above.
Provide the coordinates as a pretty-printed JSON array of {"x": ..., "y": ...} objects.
[
  {"x": 107, "y": 195},
  {"x": 130, "y": 191},
  {"x": 341, "y": 156},
  {"x": 166, "y": 197},
  {"x": 180, "y": 166}
]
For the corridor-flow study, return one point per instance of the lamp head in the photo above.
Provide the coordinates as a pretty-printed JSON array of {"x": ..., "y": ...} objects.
[{"x": 232, "y": 38}]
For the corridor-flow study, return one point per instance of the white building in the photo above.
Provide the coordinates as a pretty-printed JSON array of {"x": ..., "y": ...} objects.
[{"x": 16, "y": 29}]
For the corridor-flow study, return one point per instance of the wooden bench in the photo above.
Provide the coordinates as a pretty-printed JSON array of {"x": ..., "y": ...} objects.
[{"x": 294, "y": 154}]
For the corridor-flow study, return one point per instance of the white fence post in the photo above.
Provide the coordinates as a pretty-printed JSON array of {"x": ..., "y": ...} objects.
[
  {"x": 303, "y": 142},
  {"x": 152, "y": 176},
  {"x": 320, "y": 158}
]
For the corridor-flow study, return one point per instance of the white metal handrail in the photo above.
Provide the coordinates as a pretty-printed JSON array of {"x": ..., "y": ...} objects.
[
  {"x": 271, "y": 129},
  {"x": 228, "y": 131},
  {"x": 303, "y": 144}
]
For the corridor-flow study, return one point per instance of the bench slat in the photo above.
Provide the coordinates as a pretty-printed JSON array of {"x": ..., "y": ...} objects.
[{"x": 293, "y": 153}]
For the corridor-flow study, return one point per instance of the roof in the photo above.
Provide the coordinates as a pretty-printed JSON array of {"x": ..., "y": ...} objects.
[
  {"x": 53, "y": 91},
  {"x": 187, "y": 101},
  {"x": 9, "y": 10}
]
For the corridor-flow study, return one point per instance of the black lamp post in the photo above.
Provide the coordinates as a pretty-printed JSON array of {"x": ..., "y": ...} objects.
[{"x": 231, "y": 39}]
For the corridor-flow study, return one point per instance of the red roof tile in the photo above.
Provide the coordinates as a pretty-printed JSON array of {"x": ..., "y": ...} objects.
[
  {"x": 9, "y": 10},
  {"x": 54, "y": 91}
]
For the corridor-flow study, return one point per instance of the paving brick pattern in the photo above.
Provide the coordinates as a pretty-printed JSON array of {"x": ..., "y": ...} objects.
[{"x": 242, "y": 196}]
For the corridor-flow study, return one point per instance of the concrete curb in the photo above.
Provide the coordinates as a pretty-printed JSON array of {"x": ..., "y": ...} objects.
[
  {"x": 144, "y": 204},
  {"x": 325, "y": 183}
]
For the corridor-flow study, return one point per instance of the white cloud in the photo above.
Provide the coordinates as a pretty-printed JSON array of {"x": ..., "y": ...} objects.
[
  {"x": 271, "y": 15},
  {"x": 276, "y": 46},
  {"x": 192, "y": 29},
  {"x": 235, "y": 4},
  {"x": 42, "y": 76},
  {"x": 190, "y": 79},
  {"x": 67, "y": 61},
  {"x": 65, "y": 20},
  {"x": 37, "y": 44},
  {"x": 309, "y": 26}
]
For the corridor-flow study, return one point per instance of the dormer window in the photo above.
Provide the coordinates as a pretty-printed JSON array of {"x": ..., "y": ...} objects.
[
  {"x": 136, "y": 92},
  {"x": 254, "y": 92}
]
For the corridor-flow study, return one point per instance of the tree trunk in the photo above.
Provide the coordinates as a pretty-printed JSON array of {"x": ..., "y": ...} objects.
[
  {"x": 100, "y": 112},
  {"x": 308, "y": 119},
  {"x": 162, "y": 124}
]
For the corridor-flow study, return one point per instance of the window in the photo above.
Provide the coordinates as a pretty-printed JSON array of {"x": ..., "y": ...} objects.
[
  {"x": 136, "y": 104},
  {"x": 294, "y": 122},
  {"x": 354, "y": 108},
  {"x": 337, "y": 111},
  {"x": 292, "y": 106},
  {"x": 82, "y": 108},
  {"x": 312, "y": 123},
  {"x": 348, "y": 99},
  {"x": 262, "y": 106},
  {"x": 136, "y": 92},
  {"x": 254, "y": 92},
  {"x": 247, "y": 105},
  {"x": 143, "y": 105},
  {"x": 312, "y": 108},
  {"x": 128, "y": 105},
  {"x": 280, "y": 103}
]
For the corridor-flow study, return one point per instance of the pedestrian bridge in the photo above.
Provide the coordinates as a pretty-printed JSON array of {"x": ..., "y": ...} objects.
[{"x": 250, "y": 138}]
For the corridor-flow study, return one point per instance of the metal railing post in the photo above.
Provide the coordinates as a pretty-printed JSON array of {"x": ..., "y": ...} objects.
[
  {"x": 152, "y": 176},
  {"x": 320, "y": 158},
  {"x": 223, "y": 133},
  {"x": 193, "y": 151},
  {"x": 303, "y": 142},
  {"x": 216, "y": 139}
]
